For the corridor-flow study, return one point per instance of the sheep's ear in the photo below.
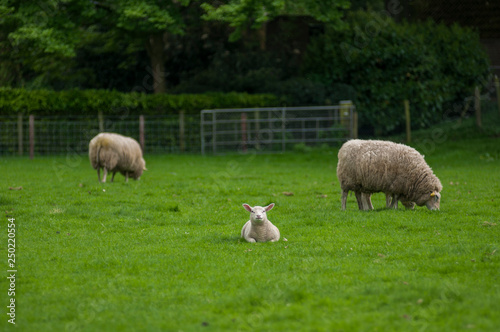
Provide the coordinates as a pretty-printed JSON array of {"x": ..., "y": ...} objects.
[
  {"x": 247, "y": 207},
  {"x": 269, "y": 207}
]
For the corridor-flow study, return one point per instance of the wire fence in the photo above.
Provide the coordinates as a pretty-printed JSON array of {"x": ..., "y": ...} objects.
[
  {"x": 277, "y": 130},
  {"x": 55, "y": 135}
]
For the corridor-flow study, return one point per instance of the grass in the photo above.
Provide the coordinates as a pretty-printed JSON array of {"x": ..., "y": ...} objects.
[{"x": 164, "y": 253}]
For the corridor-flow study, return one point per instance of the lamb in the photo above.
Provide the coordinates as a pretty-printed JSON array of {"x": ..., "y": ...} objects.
[
  {"x": 259, "y": 228},
  {"x": 116, "y": 153},
  {"x": 370, "y": 166}
]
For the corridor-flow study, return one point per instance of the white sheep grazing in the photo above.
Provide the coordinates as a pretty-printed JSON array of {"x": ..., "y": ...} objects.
[
  {"x": 370, "y": 166},
  {"x": 116, "y": 153},
  {"x": 259, "y": 228}
]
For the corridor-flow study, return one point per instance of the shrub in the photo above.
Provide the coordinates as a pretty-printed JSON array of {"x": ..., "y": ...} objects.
[
  {"x": 432, "y": 65},
  {"x": 89, "y": 102}
]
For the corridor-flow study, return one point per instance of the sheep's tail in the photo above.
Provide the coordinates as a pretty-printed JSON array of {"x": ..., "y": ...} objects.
[{"x": 94, "y": 151}]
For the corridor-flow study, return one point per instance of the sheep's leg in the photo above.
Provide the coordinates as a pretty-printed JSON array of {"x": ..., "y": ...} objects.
[
  {"x": 126, "y": 177},
  {"x": 344, "y": 198},
  {"x": 99, "y": 174},
  {"x": 367, "y": 201},
  {"x": 359, "y": 198},
  {"x": 388, "y": 202},
  {"x": 394, "y": 204},
  {"x": 113, "y": 176},
  {"x": 105, "y": 174},
  {"x": 370, "y": 201}
]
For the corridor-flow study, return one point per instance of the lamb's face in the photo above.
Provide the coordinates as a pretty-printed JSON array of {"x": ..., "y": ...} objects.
[{"x": 258, "y": 214}]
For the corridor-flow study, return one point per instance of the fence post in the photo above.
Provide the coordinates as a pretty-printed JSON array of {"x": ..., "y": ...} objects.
[
  {"x": 408, "y": 120},
  {"x": 244, "y": 132},
  {"x": 257, "y": 130},
  {"x": 182, "y": 139},
  {"x": 32, "y": 135},
  {"x": 100, "y": 118},
  {"x": 214, "y": 133},
  {"x": 141, "y": 131},
  {"x": 283, "y": 128},
  {"x": 20, "y": 134},
  {"x": 345, "y": 113},
  {"x": 497, "y": 86},
  {"x": 477, "y": 107}
]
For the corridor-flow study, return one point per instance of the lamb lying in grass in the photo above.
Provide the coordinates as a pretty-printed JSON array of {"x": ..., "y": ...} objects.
[
  {"x": 259, "y": 228},
  {"x": 116, "y": 153}
]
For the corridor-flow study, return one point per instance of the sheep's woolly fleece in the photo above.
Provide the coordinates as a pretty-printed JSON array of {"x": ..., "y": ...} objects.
[
  {"x": 370, "y": 166},
  {"x": 116, "y": 153}
]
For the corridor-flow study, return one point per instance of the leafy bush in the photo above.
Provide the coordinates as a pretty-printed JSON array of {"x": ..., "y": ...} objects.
[
  {"x": 89, "y": 102},
  {"x": 432, "y": 65}
]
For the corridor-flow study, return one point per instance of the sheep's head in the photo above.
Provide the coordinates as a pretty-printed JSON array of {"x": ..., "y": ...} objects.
[
  {"x": 431, "y": 200},
  {"x": 258, "y": 213},
  {"x": 138, "y": 172}
]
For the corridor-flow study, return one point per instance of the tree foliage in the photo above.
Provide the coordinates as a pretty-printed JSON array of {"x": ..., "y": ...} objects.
[
  {"x": 432, "y": 65},
  {"x": 45, "y": 37},
  {"x": 243, "y": 14}
]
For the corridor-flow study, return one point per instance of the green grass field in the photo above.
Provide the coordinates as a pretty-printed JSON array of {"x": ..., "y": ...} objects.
[{"x": 165, "y": 254}]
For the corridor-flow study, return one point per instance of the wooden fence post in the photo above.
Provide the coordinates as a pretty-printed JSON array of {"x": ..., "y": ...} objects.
[
  {"x": 182, "y": 139},
  {"x": 141, "y": 131},
  {"x": 20, "y": 134},
  {"x": 257, "y": 130},
  {"x": 100, "y": 118},
  {"x": 408, "y": 120},
  {"x": 344, "y": 113},
  {"x": 244, "y": 132},
  {"x": 497, "y": 86},
  {"x": 477, "y": 107},
  {"x": 32, "y": 135}
]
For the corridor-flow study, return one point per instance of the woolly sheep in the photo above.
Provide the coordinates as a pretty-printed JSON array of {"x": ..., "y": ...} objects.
[
  {"x": 370, "y": 166},
  {"x": 259, "y": 228},
  {"x": 116, "y": 153}
]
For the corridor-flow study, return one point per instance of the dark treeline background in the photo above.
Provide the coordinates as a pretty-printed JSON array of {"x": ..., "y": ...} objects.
[{"x": 305, "y": 52}]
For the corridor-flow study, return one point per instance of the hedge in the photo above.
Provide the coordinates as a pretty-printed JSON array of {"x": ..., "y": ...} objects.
[{"x": 89, "y": 102}]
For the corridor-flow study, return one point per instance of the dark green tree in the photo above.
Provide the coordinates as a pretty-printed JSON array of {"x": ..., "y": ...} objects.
[{"x": 43, "y": 37}]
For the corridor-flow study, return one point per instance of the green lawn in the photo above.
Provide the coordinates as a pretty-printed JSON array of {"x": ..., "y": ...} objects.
[{"x": 165, "y": 254}]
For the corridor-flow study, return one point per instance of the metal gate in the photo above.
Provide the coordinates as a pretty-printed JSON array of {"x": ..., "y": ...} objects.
[{"x": 275, "y": 129}]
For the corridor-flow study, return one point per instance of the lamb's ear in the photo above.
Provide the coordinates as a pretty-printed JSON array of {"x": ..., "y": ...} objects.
[
  {"x": 269, "y": 207},
  {"x": 247, "y": 207}
]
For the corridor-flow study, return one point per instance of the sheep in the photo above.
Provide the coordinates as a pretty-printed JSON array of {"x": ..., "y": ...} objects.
[
  {"x": 259, "y": 228},
  {"x": 116, "y": 153},
  {"x": 370, "y": 166}
]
